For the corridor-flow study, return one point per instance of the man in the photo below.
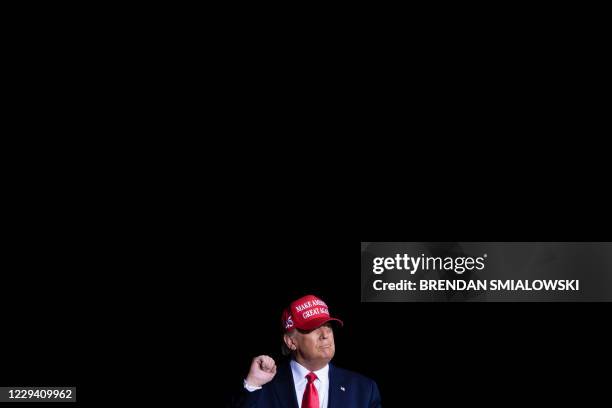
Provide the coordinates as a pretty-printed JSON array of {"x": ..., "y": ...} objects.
[{"x": 308, "y": 380}]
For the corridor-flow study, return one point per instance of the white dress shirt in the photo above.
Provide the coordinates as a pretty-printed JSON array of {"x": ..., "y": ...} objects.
[{"x": 321, "y": 383}]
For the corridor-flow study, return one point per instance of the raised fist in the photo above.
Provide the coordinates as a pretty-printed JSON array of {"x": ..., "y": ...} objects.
[{"x": 263, "y": 370}]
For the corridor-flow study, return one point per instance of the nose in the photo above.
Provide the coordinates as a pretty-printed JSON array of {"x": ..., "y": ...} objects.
[{"x": 325, "y": 332}]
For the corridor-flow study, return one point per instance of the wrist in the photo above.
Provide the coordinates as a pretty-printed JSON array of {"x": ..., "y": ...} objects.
[{"x": 250, "y": 386}]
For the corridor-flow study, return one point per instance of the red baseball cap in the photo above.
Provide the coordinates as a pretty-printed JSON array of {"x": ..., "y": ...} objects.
[{"x": 307, "y": 313}]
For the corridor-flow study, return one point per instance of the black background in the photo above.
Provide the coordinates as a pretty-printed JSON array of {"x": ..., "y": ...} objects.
[
  {"x": 72, "y": 313},
  {"x": 439, "y": 353},
  {"x": 48, "y": 296},
  {"x": 425, "y": 155},
  {"x": 73, "y": 317}
]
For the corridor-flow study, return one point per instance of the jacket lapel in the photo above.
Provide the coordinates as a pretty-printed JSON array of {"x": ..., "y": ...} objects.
[
  {"x": 337, "y": 394},
  {"x": 284, "y": 387}
]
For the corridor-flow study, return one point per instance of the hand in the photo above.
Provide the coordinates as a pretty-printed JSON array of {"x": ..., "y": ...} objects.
[{"x": 263, "y": 370}]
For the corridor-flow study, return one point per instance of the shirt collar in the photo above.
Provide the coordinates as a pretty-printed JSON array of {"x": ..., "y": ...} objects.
[{"x": 299, "y": 371}]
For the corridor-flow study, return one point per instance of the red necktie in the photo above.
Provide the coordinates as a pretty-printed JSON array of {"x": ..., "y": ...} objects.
[{"x": 311, "y": 396}]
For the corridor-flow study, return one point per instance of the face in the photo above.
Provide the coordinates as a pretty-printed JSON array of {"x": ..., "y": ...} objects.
[{"x": 315, "y": 347}]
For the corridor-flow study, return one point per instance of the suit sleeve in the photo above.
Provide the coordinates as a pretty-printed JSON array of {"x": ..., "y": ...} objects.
[
  {"x": 374, "y": 396},
  {"x": 245, "y": 399}
]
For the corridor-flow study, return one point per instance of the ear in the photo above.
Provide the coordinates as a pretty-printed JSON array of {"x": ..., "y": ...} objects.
[{"x": 290, "y": 342}]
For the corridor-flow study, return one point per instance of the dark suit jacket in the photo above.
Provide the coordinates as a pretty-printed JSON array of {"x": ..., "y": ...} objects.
[{"x": 346, "y": 390}]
